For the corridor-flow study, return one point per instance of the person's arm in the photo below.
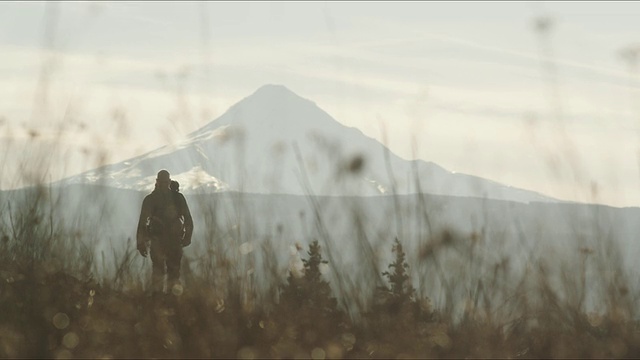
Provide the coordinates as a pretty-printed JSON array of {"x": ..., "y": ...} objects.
[
  {"x": 142, "y": 238},
  {"x": 188, "y": 222}
]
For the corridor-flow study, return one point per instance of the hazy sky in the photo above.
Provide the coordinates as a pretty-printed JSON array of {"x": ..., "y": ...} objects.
[{"x": 480, "y": 88}]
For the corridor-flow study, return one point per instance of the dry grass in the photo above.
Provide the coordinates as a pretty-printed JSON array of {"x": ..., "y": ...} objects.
[{"x": 56, "y": 303}]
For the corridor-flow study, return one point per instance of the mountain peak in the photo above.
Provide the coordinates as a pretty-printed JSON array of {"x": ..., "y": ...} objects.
[
  {"x": 262, "y": 143},
  {"x": 273, "y": 95},
  {"x": 273, "y": 89},
  {"x": 273, "y": 108}
]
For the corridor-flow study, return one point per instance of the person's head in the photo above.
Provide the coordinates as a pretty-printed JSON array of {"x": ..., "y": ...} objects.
[
  {"x": 175, "y": 186},
  {"x": 163, "y": 179}
]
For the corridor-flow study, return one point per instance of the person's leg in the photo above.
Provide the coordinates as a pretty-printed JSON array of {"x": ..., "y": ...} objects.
[
  {"x": 159, "y": 261},
  {"x": 174, "y": 256}
]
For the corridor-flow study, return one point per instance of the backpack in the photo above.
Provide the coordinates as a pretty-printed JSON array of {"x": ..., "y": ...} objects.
[{"x": 167, "y": 214}]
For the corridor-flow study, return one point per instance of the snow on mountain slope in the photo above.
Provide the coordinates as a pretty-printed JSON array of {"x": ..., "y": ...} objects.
[{"x": 274, "y": 141}]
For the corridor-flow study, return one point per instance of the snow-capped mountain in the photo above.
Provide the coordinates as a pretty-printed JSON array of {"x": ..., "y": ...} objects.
[{"x": 274, "y": 141}]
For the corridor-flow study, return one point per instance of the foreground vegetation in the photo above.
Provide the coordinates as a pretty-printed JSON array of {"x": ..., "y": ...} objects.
[{"x": 54, "y": 303}]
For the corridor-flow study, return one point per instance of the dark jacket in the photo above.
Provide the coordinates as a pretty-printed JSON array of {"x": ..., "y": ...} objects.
[{"x": 161, "y": 215}]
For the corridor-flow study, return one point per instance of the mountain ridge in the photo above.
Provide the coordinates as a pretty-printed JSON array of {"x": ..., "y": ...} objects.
[{"x": 265, "y": 142}]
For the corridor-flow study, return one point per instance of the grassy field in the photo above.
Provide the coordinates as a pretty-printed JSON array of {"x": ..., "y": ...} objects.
[{"x": 56, "y": 304}]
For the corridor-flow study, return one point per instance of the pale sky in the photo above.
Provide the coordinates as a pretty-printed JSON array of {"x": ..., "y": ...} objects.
[{"x": 84, "y": 83}]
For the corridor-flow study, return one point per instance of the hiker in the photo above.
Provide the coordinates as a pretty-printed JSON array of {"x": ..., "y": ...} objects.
[{"x": 164, "y": 228}]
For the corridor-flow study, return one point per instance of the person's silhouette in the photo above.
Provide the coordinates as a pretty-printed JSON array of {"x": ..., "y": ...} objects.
[{"x": 164, "y": 227}]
